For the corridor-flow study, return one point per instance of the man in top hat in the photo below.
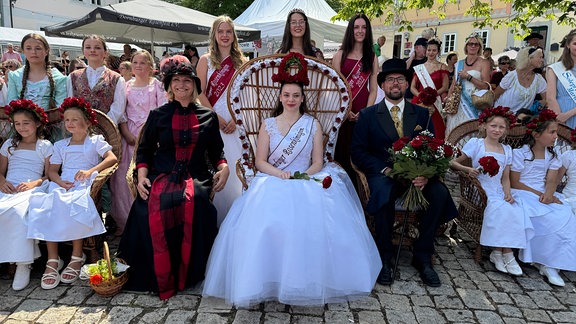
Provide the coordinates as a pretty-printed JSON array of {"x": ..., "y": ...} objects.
[
  {"x": 533, "y": 39},
  {"x": 377, "y": 128}
]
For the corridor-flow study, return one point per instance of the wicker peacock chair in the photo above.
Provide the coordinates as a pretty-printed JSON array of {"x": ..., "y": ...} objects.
[{"x": 253, "y": 96}]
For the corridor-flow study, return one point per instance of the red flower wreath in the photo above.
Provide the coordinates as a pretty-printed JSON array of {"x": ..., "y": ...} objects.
[
  {"x": 292, "y": 59},
  {"x": 21, "y": 104},
  {"x": 498, "y": 111},
  {"x": 536, "y": 122},
  {"x": 74, "y": 102}
]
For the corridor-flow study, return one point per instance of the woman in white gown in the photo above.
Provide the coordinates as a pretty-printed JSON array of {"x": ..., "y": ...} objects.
[
  {"x": 215, "y": 70},
  {"x": 474, "y": 74},
  {"x": 568, "y": 169},
  {"x": 24, "y": 159},
  {"x": 533, "y": 179},
  {"x": 287, "y": 239}
]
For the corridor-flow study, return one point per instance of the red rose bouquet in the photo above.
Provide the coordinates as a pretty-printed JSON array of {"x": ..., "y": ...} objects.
[
  {"x": 424, "y": 156},
  {"x": 326, "y": 182},
  {"x": 427, "y": 96},
  {"x": 489, "y": 165}
]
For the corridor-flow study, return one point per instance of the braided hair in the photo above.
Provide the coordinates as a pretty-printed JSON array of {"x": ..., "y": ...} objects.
[{"x": 44, "y": 42}]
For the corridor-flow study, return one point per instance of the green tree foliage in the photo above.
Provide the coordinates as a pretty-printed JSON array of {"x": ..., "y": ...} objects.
[{"x": 524, "y": 11}]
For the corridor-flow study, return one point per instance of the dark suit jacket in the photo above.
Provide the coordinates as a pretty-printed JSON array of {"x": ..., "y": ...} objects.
[{"x": 373, "y": 136}]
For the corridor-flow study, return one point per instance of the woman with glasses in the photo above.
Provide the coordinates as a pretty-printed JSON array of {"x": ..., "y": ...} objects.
[
  {"x": 297, "y": 36},
  {"x": 503, "y": 65},
  {"x": 473, "y": 73},
  {"x": 518, "y": 88}
]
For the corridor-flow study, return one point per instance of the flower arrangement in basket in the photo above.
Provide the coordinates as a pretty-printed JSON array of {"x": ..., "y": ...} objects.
[
  {"x": 107, "y": 276},
  {"x": 424, "y": 156}
]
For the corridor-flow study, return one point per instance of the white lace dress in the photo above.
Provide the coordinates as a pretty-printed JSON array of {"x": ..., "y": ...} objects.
[
  {"x": 293, "y": 241},
  {"x": 23, "y": 166},
  {"x": 554, "y": 242},
  {"x": 504, "y": 224}
]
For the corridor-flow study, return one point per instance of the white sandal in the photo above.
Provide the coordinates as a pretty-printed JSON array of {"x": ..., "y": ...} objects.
[
  {"x": 71, "y": 271},
  {"x": 54, "y": 274}
]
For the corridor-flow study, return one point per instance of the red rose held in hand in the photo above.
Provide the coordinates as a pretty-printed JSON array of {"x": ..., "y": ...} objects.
[
  {"x": 327, "y": 182},
  {"x": 489, "y": 165}
]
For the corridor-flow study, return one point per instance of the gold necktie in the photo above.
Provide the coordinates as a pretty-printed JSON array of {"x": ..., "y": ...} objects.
[{"x": 397, "y": 122}]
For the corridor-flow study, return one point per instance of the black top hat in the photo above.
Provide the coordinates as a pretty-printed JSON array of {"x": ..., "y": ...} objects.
[
  {"x": 533, "y": 35},
  {"x": 393, "y": 65}
]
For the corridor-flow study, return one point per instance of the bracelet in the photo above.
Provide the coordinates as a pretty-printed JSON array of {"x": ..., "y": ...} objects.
[{"x": 469, "y": 78}]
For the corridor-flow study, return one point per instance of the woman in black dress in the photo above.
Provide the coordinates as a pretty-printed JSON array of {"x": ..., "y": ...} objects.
[{"x": 179, "y": 160}]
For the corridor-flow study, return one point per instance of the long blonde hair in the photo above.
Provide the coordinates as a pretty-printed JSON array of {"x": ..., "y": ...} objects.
[{"x": 235, "y": 52}]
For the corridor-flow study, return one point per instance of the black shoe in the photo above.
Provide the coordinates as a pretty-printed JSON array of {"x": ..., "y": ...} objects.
[
  {"x": 428, "y": 274},
  {"x": 385, "y": 276}
]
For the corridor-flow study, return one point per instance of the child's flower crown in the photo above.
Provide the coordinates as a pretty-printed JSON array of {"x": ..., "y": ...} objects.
[
  {"x": 536, "y": 122},
  {"x": 23, "y": 104},
  {"x": 503, "y": 112},
  {"x": 290, "y": 60},
  {"x": 83, "y": 105}
]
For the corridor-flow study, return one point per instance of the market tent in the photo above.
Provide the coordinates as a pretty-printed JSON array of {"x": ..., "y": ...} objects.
[
  {"x": 269, "y": 16},
  {"x": 511, "y": 54},
  {"x": 144, "y": 22}
]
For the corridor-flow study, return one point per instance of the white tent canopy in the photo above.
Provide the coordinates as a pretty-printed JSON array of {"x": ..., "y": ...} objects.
[
  {"x": 144, "y": 22},
  {"x": 269, "y": 16}
]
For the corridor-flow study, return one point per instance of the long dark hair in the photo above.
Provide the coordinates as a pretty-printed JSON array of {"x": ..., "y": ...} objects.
[
  {"x": 531, "y": 141},
  {"x": 367, "y": 49},
  {"x": 280, "y": 108},
  {"x": 287, "y": 38},
  {"x": 566, "y": 58},
  {"x": 16, "y": 137}
]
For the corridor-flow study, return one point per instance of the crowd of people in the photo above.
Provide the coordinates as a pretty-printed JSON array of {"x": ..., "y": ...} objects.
[{"x": 291, "y": 241}]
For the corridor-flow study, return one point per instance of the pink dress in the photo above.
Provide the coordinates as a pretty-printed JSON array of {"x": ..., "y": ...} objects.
[{"x": 139, "y": 102}]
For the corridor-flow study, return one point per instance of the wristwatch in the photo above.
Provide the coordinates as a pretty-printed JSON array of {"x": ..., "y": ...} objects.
[{"x": 383, "y": 171}]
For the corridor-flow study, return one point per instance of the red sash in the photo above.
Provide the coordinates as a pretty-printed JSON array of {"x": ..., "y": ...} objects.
[
  {"x": 219, "y": 81},
  {"x": 357, "y": 79}
]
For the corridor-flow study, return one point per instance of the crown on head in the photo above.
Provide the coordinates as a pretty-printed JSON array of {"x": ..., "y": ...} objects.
[
  {"x": 83, "y": 105},
  {"x": 24, "y": 104},
  {"x": 536, "y": 122},
  {"x": 503, "y": 112},
  {"x": 296, "y": 10},
  {"x": 290, "y": 61}
]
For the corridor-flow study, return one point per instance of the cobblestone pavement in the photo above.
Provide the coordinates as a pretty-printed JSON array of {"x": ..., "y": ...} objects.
[{"x": 470, "y": 293}]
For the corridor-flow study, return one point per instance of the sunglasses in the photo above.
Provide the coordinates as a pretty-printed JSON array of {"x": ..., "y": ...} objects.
[
  {"x": 504, "y": 63},
  {"x": 10, "y": 66},
  {"x": 473, "y": 44}
]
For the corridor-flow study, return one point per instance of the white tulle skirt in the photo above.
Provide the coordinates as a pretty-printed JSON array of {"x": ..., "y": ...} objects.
[{"x": 294, "y": 242}]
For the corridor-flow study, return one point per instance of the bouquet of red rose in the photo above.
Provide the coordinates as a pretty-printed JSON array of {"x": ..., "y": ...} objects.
[
  {"x": 427, "y": 96},
  {"x": 424, "y": 156},
  {"x": 489, "y": 165},
  {"x": 326, "y": 182}
]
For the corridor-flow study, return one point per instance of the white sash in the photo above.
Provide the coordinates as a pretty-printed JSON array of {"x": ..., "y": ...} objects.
[
  {"x": 426, "y": 81},
  {"x": 566, "y": 77},
  {"x": 293, "y": 143}
]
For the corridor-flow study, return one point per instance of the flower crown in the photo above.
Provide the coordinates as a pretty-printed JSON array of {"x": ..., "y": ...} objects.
[
  {"x": 498, "y": 111},
  {"x": 473, "y": 35},
  {"x": 79, "y": 103},
  {"x": 536, "y": 122},
  {"x": 290, "y": 60},
  {"x": 23, "y": 104}
]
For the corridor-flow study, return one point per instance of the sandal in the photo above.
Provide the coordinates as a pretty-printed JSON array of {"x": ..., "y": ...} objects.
[
  {"x": 69, "y": 271},
  {"x": 54, "y": 274}
]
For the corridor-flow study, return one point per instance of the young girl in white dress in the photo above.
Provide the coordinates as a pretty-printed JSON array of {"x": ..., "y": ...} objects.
[
  {"x": 24, "y": 161},
  {"x": 505, "y": 226},
  {"x": 533, "y": 178},
  {"x": 291, "y": 240},
  {"x": 67, "y": 212},
  {"x": 568, "y": 169}
]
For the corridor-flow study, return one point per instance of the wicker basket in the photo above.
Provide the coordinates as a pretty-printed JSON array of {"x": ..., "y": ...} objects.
[{"x": 113, "y": 286}]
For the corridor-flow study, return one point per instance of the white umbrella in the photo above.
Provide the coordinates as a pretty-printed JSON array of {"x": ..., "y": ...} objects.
[{"x": 511, "y": 54}]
